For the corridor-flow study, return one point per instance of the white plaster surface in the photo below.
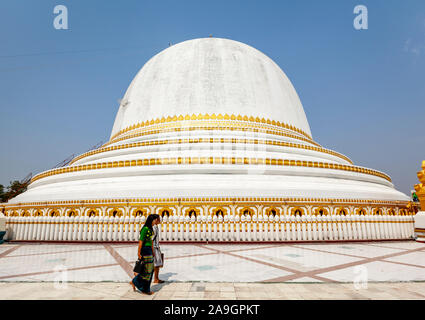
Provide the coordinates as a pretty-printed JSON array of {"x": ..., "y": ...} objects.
[{"x": 211, "y": 75}]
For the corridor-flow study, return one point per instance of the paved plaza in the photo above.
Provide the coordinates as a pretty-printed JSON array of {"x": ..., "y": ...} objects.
[{"x": 374, "y": 270}]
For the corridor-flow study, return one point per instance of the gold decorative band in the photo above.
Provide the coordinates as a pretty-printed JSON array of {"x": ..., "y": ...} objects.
[
  {"x": 211, "y": 127},
  {"x": 210, "y": 160},
  {"x": 209, "y": 140},
  {"x": 211, "y": 117},
  {"x": 216, "y": 201}
]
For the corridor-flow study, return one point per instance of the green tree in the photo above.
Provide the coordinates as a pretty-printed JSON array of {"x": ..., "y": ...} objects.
[
  {"x": 15, "y": 188},
  {"x": 2, "y": 195}
]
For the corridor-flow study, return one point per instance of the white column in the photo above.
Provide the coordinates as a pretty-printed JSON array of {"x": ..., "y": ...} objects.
[
  {"x": 261, "y": 235},
  {"x": 121, "y": 228},
  {"x": 303, "y": 228},
  {"x": 368, "y": 226},
  {"x": 181, "y": 227},
  {"x": 25, "y": 227},
  {"x": 95, "y": 228},
  {"x": 232, "y": 228},
  {"x": 242, "y": 227},
  {"x": 237, "y": 228},
  {"x": 186, "y": 232},
  {"x": 192, "y": 228},
  {"x": 214, "y": 228},
  {"x": 298, "y": 226},
  {"x": 226, "y": 227},
  {"x": 400, "y": 226},
  {"x": 131, "y": 233},
  {"x": 311, "y": 227},
  {"x": 60, "y": 228},
  {"x": 374, "y": 226},
  {"x": 220, "y": 227},
  {"x": 19, "y": 227},
  {"x": 103, "y": 222},
  {"x": 339, "y": 226},
  {"x": 363, "y": 226},
  {"x": 254, "y": 227},
  {"x": 77, "y": 229},
  {"x": 412, "y": 226},
  {"x": 405, "y": 227},
  {"x": 319, "y": 227},
  {"x": 334, "y": 221},
  {"x": 282, "y": 235},
  {"x": 198, "y": 227},
  {"x": 386, "y": 226},
  {"x": 344, "y": 229},
  {"x": 293, "y": 230}
]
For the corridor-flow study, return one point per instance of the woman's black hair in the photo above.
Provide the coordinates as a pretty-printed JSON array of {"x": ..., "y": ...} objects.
[{"x": 149, "y": 221}]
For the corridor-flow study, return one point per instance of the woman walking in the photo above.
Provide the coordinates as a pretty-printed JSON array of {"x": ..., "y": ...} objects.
[
  {"x": 142, "y": 281},
  {"x": 157, "y": 261}
]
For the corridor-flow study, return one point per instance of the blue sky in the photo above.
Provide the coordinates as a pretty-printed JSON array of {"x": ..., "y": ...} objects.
[{"x": 363, "y": 91}]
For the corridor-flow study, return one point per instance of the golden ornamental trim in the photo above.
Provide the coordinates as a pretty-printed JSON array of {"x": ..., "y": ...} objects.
[
  {"x": 210, "y": 128},
  {"x": 420, "y": 188},
  {"x": 209, "y": 140},
  {"x": 207, "y": 116},
  {"x": 209, "y": 160}
]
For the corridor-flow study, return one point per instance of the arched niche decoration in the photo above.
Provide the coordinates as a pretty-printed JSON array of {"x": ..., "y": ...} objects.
[
  {"x": 71, "y": 213},
  {"x": 53, "y": 213},
  {"x": 342, "y": 211},
  {"x": 191, "y": 211},
  {"x": 37, "y": 213},
  {"x": 272, "y": 211},
  {"x": 92, "y": 212},
  {"x": 379, "y": 212},
  {"x": 138, "y": 212},
  {"x": 246, "y": 211},
  {"x": 361, "y": 211},
  {"x": 25, "y": 213},
  {"x": 166, "y": 211},
  {"x": 219, "y": 210},
  {"x": 320, "y": 211},
  {"x": 115, "y": 212},
  {"x": 297, "y": 211},
  {"x": 403, "y": 212}
]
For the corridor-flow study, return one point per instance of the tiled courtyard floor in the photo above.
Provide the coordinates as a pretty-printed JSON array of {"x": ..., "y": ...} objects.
[{"x": 375, "y": 270}]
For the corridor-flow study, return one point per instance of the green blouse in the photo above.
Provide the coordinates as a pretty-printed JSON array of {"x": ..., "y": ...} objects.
[{"x": 146, "y": 235}]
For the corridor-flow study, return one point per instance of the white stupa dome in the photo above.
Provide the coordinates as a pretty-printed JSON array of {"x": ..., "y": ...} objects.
[{"x": 211, "y": 75}]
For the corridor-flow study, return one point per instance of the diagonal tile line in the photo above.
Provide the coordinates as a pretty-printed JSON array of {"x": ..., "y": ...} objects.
[
  {"x": 124, "y": 264},
  {"x": 53, "y": 271},
  {"x": 331, "y": 252},
  {"x": 405, "y": 264},
  {"x": 294, "y": 271},
  {"x": 54, "y": 252},
  {"x": 383, "y": 246},
  {"x": 403, "y": 251},
  {"x": 259, "y": 248},
  {"x": 5, "y": 253},
  {"x": 342, "y": 266}
]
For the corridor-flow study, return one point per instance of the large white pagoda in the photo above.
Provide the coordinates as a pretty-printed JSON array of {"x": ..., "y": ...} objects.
[{"x": 212, "y": 136}]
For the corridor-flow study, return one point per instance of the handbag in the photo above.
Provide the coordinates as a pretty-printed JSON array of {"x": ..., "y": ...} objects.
[{"x": 138, "y": 267}]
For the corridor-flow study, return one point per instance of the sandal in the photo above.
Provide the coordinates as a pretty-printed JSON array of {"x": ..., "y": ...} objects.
[{"x": 158, "y": 281}]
